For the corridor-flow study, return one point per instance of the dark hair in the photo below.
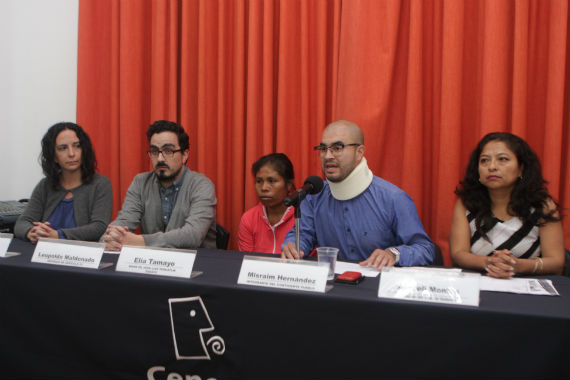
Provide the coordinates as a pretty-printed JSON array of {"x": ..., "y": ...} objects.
[
  {"x": 529, "y": 192},
  {"x": 169, "y": 126},
  {"x": 279, "y": 162},
  {"x": 51, "y": 169}
]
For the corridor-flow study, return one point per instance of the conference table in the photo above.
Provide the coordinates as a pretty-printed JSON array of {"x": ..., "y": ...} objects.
[{"x": 65, "y": 322}]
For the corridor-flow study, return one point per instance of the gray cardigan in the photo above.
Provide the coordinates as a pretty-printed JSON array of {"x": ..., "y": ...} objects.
[
  {"x": 192, "y": 223},
  {"x": 92, "y": 208}
]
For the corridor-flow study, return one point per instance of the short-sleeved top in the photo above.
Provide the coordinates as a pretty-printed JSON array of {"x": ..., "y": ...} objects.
[{"x": 521, "y": 238}]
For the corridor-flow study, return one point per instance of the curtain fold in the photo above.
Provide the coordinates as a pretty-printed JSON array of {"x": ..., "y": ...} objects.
[{"x": 424, "y": 79}]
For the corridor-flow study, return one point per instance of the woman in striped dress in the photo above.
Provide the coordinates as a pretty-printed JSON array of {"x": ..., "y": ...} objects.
[{"x": 505, "y": 222}]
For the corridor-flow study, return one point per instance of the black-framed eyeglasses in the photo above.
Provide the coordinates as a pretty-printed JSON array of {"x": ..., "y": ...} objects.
[
  {"x": 336, "y": 148},
  {"x": 166, "y": 152}
]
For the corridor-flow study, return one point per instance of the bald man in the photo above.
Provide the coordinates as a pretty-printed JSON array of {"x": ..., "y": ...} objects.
[{"x": 369, "y": 219}]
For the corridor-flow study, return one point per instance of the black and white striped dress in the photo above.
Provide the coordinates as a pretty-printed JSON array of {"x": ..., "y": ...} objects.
[{"x": 522, "y": 239}]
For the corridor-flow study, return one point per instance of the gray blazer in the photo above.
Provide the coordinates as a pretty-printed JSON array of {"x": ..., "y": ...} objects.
[
  {"x": 92, "y": 208},
  {"x": 192, "y": 223}
]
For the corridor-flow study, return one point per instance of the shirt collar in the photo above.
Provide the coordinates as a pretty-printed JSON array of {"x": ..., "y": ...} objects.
[
  {"x": 178, "y": 182},
  {"x": 287, "y": 212}
]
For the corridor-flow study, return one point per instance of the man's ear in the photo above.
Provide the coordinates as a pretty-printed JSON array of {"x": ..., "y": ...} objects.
[
  {"x": 360, "y": 150},
  {"x": 185, "y": 155}
]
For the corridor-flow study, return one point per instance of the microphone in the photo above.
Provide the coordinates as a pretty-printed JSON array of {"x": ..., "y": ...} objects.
[{"x": 312, "y": 185}]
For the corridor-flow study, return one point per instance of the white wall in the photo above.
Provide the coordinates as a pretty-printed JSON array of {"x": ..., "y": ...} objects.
[{"x": 38, "y": 84}]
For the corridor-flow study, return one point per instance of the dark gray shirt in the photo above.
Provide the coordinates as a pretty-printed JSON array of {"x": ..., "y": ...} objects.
[{"x": 168, "y": 198}]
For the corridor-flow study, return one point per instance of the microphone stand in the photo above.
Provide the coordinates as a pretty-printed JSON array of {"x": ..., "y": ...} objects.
[
  {"x": 312, "y": 185},
  {"x": 295, "y": 201},
  {"x": 297, "y": 225}
]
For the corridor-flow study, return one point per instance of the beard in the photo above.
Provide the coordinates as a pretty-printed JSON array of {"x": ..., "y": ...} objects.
[
  {"x": 333, "y": 179},
  {"x": 162, "y": 176}
]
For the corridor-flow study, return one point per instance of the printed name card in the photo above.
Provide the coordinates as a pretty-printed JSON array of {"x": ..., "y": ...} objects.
[
  {"x": 71, "y": 253},
  {"x": 5, "y": 240},
  {"x": 425, "y": 285},
  {"x": 284, "y": 274},
  {"x": 157, "y": 261}
]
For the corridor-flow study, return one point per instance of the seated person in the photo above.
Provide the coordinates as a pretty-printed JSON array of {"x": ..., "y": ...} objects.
[
  {"x": 263, "y": 227},
  {"x": 174, "y": 206},
  {"x": 505, "y": 221},
  {"x": 369, "y": 219},
  {"x": 72, "y": 201}
]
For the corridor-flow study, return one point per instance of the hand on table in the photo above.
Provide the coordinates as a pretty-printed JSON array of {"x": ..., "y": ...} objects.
[
  {"x": 379, "y": 259},
  {"x": 114, "y": 237},
  {"x": 290, "y": 252},
  {"x": 41, "y": 230},
  {"x": 501, "y": 264}
]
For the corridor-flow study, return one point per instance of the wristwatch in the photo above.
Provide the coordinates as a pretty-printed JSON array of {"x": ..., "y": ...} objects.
[{"x": 395, "y": 252}]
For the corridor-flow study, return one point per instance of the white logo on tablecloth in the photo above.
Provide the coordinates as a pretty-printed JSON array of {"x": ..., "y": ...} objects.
[{"x": 190, "y": 322}]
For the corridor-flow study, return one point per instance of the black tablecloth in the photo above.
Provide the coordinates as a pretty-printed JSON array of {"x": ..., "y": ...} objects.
[{"x": 62, "y": 322}]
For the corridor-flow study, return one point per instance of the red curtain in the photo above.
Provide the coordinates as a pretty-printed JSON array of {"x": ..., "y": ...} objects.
[{"x": 424, "y": 79}]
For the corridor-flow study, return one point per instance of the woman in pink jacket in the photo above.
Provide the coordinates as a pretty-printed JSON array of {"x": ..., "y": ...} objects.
[{"x": 263, "y": 227}]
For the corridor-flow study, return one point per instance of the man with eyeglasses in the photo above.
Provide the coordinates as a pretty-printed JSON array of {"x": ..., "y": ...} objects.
[
  {"x": 174, "y": 206},
  {"x": 369, "y": 219}
]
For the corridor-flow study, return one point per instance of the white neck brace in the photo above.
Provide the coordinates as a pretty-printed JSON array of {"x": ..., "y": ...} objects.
[{"x": 354, "y": 184}]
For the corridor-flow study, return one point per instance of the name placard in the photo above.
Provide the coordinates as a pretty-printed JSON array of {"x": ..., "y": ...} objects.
[
  {"x": 71, "y": 253},
  {"x": 425, "y": 285},
  {"x": 157, "y": 261},
  {"x": 5, "y": 240},
  {"x": 284, "y": 274}
]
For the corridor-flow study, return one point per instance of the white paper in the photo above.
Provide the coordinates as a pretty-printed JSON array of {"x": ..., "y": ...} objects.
[
  {"x": 519, "y": 285},
  {"x": 435, "y": 270},
  {"x": 71, "y": 253},
  {"x": 156, "y": 261},
  {"x": 284, "y": 274},
  {"x": 343, "y": 266},
  {"x": 430, "y": 285},
  {"x": 5, "y": 240}
]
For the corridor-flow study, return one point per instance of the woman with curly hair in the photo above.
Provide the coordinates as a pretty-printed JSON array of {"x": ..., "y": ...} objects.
[
  {"x": 505, "y": 221},
  {"x": 72, "y": 201}
]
